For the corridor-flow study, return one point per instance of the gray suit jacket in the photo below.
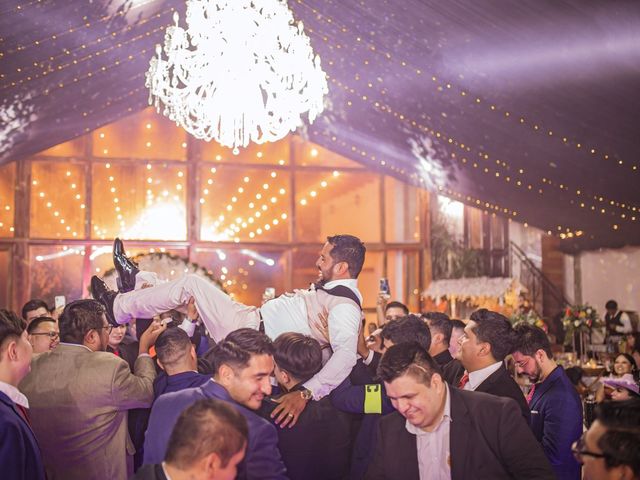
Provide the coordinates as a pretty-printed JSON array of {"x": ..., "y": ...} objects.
[{"x": 78, "y": 403}]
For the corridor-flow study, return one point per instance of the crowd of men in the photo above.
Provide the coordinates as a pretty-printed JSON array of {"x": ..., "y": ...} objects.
[{"x": 291, "y": 389}]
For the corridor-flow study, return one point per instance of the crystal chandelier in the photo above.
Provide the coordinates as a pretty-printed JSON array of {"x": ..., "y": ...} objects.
[{"x": 242, "y": 71}]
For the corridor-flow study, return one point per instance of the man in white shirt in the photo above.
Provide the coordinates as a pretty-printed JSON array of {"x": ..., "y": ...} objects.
[
  {"x": 339, "y": 264},
  {"x": 488, "y": 338}
]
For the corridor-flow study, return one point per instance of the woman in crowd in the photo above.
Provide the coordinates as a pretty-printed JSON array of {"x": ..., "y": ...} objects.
[
  {"x": 624, "y": 367},
  {"x": 633, "y": 346}
]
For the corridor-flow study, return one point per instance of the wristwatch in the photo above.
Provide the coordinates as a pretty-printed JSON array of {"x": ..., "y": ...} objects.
[{"x": 306, "y": 394}]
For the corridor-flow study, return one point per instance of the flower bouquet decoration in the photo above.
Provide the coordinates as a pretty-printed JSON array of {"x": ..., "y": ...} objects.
[
  {"x": 530, "y": 317},
  {"x": 580, "y": 320}
]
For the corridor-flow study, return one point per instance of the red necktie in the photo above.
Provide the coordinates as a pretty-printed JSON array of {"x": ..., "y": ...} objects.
[
  {"x": 24, "y": 413},
  {"x": 530, "y": 394},
  {"x": 464, "y": 380}
]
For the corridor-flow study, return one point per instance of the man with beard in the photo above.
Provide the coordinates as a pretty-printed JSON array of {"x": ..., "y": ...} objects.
[
  {"x": 556, "y": 410},
  {"x": 79, "y": 395},
  {"x": 336, "y": 294}
]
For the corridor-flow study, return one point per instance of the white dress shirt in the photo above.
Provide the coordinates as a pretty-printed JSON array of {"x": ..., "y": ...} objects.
[
  {"x": 289, "y": 314},
  {"x": 479, "y": 376},
  {"x": 14, "y": 394},
  {"x": 434, "y": 451}
]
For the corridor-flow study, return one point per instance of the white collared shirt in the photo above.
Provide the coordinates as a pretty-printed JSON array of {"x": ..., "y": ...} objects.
[
  {"x": 14, "y": 394},
  {"x": 288, "y": 313},
  {"x": 479, "y": 376},
  {"x": 434, "y": 451}
]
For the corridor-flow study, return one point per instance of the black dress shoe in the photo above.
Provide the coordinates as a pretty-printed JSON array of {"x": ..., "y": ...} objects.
[
  {"x": 105, "y": 296},
  {"x": 125, "y": 267}
]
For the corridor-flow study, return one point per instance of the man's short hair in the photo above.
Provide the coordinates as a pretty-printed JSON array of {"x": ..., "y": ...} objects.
[
  {"x": 78, "y": 318},
  {"x": 439, "y": 322},
  {"x": 11, "y": 327},
  {"x": 36, "y": 322},
  {"x": 396, "y": 304},
  {"x": 407, "y": 329},
  {"x": 611, "y": 305},
  {"x": 459, "y": 324},
  {"x": 298, "y": 355},
  {"x": 494, "y": 329},
  {"x": 208, "y": 426},
  {"x": 529, "y": 339},
  {"x": 621, "y": 441},
  {"x": 32, "y": 305},
  {"x": 238, "y": 347},
  {"x": 172, "y": 346},
  {"x": 407, "y": 359},
  {"x": 350, "y": 249}
]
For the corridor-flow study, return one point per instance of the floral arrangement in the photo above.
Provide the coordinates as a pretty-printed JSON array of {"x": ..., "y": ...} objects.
[
  {"x": 580, "y": 318},
  {"x": 530, "y": 317}
]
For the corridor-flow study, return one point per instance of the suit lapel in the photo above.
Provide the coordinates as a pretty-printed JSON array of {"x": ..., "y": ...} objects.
[
  {"x": 490, "y": 380},
  {"x": 405, "y": 451},
  {"x": 459, "y": 434},
  {"x": 544, "y": 387}
]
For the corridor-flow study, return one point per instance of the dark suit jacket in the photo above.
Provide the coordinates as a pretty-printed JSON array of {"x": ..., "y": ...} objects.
[
  {"x": 20, "y": 457},
  {"x": 362, "y": 374},
  {"x": 488, "y": 440},
  {"x": 150, "y": 472},
  {"x": 174, "y": 383},
  {"x": 262, "y": 459},
  {"x": 370, "y": 401},
  {"x": 443, "y": 358},
  {"x": 452, "y": 372},
  {"x": 501, "y": 384},
  {"x": 556, "y": 421},
  {"x": 318, "y": 446}
]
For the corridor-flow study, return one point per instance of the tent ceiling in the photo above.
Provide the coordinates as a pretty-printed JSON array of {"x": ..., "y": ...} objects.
[{"x": 526, "y": 108}]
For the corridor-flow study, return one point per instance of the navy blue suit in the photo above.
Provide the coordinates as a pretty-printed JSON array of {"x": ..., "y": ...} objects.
[
  {"x": 262, "y": 459},
  {"x": 180, "y": 381},
  {"x": 556, "y": 421},
  {"x": 20, "y": 457}
]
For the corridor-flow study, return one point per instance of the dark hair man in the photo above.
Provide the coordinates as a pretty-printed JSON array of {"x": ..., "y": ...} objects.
[
  {"x": 20, "y": 455},
  {"x": 556, "y": 418},
  {"x": 43, "y": 334},
  {"x": 176, "y": 356},
  {"x": 242, "y": 363},
  {"x": 35, "y": 308},
  {"x": 617, "y": 323},
  {"x": 488, "y": 338},
  {"x": 441, "y": 432},
  {"x": 371, "y": 398},
  {"x": 610, "y": 449},
  {"x": 339, "y": 264},
  {"x": 78, "y": 382},
  {"x": 207, "y": 443},
  {"x": 318, "y": 446},
  {"x": 440, "y": 327}
]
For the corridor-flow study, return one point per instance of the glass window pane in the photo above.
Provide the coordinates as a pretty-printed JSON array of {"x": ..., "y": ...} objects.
[
  {"x": 474, "y": 225},
  {"x": 270, "y": 153},
  {"x": 498, "y": 240},
  {"x": 73, "y": 148},
  {"x": 402, "y": 221},
  {"x": 245, "y": 273},
  {"x": 56, "y": 270},
  {"x": 305, "y": 272},
  {"x": 403, "y": 271},
  {"x": 5, "y": 275},
  {"x": 57, "y": 200},
  {"x": 147, "y": 135},
  {"x": 163, "y": 264},
  {"x": 328, "y": 203},
  {"x": 244, "y": 204},
  {"x": 138, "y": 201},
  {"x": 308, "y": 154},
  {"x": 7, "y": 200}
]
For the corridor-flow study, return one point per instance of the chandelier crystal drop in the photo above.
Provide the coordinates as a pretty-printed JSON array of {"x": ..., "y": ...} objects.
[{"x": 241, "y": 72}]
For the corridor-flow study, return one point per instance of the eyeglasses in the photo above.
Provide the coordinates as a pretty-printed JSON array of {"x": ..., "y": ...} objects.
[
  {"x": 51, "y": 335},
  {"x": 578, "y": 450}
]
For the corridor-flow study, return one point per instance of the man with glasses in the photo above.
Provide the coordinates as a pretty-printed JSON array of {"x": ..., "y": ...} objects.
[
  {"x": 610, "y": 449},
  {"x": 556, "y": 410},
  {"x": 43, "y": 334},
  {"x": 79, "y": 396}
]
